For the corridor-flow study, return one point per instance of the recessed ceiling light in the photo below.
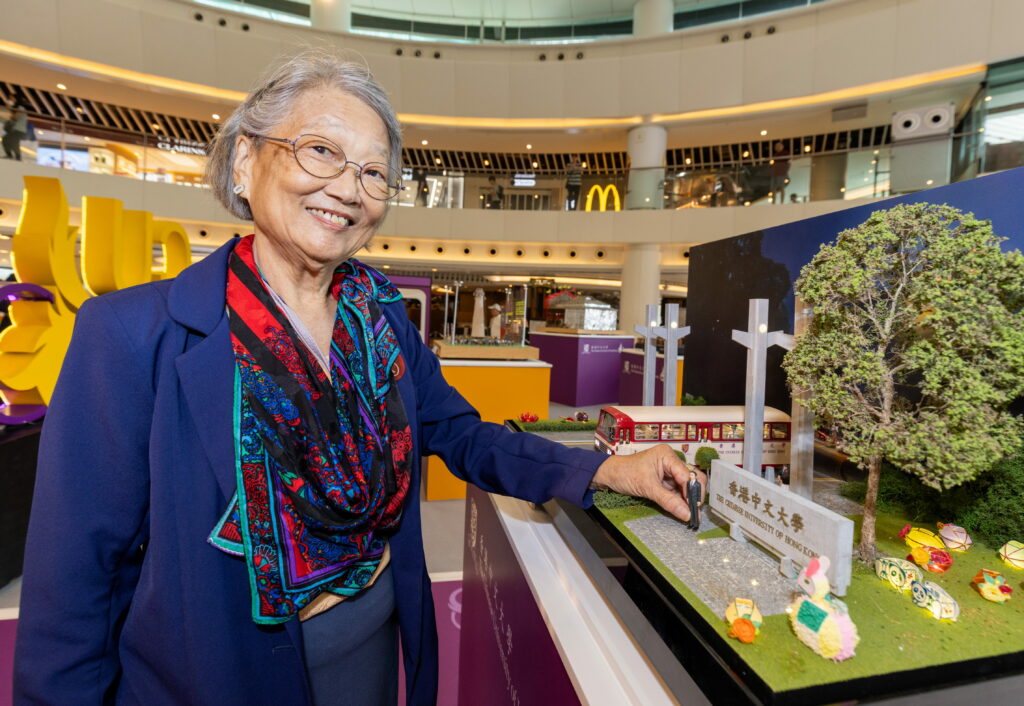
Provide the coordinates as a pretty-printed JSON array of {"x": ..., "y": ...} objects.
[
  {"x": 746, "y": 153},
  {"x": 216, "y": 116},
  {"x": 88, "y": 140},
  {"x": 62, "y": 87},
  {"x": 988, "y": 98},
  {"x": 584, "y": 165},
  {"x": 424, "y": 142},
  {"x": 487, "y": 162},
  {"x": 930, "y": 182},
  {"x": 437, "y": 160},
  {"x": 529, "y": 147},
  {"x": 807, "y": 148},
  {"x": 763, "y": 133},
  {"x": 78, "y": 109},
  {"x": 688, "y": 160},
  {"x": 155, "y": 126},
  {"x": 534, "y": 165}
]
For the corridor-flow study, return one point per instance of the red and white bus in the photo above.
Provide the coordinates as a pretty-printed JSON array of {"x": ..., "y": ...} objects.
[{"x": 627, "y": 430}]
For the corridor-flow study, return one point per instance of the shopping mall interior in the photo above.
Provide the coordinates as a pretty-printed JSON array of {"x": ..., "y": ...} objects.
[{"x": 563, "y": 163}]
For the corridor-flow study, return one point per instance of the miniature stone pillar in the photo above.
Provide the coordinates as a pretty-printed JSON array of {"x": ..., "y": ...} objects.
[
  {"x": 757, "y": 340},
  {"x": 801, "y": 448},
  {"x": 478, "y": 330},
  {"x": 671, "y": 334},
  {"x": 649, "y": 332}
]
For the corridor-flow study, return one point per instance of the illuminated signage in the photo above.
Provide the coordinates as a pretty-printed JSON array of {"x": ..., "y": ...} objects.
[
  {"x": 602, "y": 197},
  {"x": 173, "y": 144},
  {"x": 116, "y": 252},
  {"x": 524, "y": 180}
]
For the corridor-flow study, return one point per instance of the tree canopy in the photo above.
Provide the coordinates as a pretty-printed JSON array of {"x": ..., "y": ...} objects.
[{"x": 916, "y": 347}]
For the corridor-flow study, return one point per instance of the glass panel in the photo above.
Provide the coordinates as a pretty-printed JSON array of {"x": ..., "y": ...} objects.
[
  {"x": 776, "y": 431},
  {"x": 645, "y": 432},
  {"x": 691, "y": 432},
  {"x": 672, "y": 431},
  {"x": 606, "y": 425},
  {"x": 732, "y": 431}
]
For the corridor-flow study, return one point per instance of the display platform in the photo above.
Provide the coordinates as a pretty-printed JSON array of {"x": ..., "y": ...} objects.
[
  {"x": 904, "y": 655},
  {"x": 585, "y": 365},
  {"x": 499, "y": 390},
  {"x": 458, "y": 351},
  {"x": 631, "y": 378}
]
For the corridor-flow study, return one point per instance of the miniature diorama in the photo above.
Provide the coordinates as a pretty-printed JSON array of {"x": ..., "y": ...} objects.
[
  {"x": 505, "y": 339},
  {"x": 917, "y": 421}
]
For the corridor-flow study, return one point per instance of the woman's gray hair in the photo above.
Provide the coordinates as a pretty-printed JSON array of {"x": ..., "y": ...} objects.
[{"x": 272, "y": 98}]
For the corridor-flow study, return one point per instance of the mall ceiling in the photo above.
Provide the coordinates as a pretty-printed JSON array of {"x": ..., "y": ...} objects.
[{"x": 526, "y": 11}]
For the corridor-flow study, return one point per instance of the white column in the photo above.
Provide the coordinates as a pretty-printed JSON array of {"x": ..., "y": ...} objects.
[
  {"x": 646, "y": 147},
  {"x": 652, "y": 17},
  {"x": 801, "y": 454},
  {"x": 335, "y": 15},
  {"x": 641, "y": 275}
]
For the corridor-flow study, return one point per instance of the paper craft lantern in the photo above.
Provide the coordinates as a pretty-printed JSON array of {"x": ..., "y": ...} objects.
[
  {"x": 935, "y": 599},
  {"x": 744, "y": 620},
  {"x": 935, "y": 560},
  {"x": 1013, "y": 554},
  {"x": 992, "y": 586},
  {"x": 898, "y": 572},
  {"x": 955, "y": 537},
  {"x": 920, "y": 537},
  {"x": 819, "y": 620}
]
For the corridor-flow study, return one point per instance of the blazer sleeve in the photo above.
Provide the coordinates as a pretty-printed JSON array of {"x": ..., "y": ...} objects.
[
  {"x": 88, "y": 523},
  {"x": 488, "y": 455}
]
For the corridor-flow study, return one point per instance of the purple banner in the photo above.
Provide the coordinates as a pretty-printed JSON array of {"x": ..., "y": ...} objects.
[
  {"x": 631, "y": 379},
  {"x": 507, "y": 656},
  {"x": 585, "y": 369}
]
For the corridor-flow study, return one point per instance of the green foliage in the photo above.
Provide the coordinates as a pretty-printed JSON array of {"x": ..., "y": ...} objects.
[
  {"x": 917, "y": 342},
  {"x": 610, "y": 500},
  {"x": 704, "y": 456},
  {"x": 990, "y": 507},
  {"x": 557, "y": 425},
  {"x": 689, "y": 400}
]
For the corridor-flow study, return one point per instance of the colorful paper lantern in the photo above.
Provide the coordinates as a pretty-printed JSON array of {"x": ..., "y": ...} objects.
[
  {"x": 920, "y": 537},
  {"x": 935, "y": 560},
  {"x": 820, "y": 621},
  {"x": 992, "y": 586},
  {"x": 955, "y": 537},
  {"x": 898, "y": 572},
  {"x": 935, "y": 599},
  {"x": 1013, "y": 554}
]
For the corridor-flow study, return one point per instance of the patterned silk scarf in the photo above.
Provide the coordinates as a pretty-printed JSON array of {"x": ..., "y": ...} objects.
[{"x": 322, "y": 463}]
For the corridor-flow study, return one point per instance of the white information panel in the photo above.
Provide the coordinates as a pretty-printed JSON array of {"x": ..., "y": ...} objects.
[{"x": 785, "y": 523}]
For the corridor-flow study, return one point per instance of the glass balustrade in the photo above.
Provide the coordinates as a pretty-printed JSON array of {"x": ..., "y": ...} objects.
[{"x": 799, "y": 178}]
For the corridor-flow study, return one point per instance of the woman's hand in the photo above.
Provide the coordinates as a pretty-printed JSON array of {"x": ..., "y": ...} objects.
[{"x": 657, "y": 474}]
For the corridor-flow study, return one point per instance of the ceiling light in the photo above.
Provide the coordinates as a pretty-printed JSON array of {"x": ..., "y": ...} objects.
[
  {"x": 62, "y": 87},
  {"x": 487, "y": 162},
  {"x": 534, "y": 165},
  {"x": 988, "y": 98},
  {"x": 688, "y": 160},
  {"x": 807, "y": 148},
  {"x": 746, "y": 153},
  {"x": 930, "y": 182},
  {"x": 88, "y": 140},
  {"x": 529, "y": 147},
  {"x": 842, "y": 189},
  {"x": 424, "y": 142},
  {"x": 763, "y": 133},
  {"x": 437, "y": 160},
  {"x": 584, "y": 165},
  {"x": 876, "y": 151},
  {"x": 215, "y": 116},
  {"x": 155, "y": 126}
]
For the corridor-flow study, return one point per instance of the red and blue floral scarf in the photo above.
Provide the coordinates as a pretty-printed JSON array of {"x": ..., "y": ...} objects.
[{"x": 322, "y": 463}]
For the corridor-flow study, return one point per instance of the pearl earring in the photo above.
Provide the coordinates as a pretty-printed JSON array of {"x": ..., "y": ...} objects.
[{"x": 237, "y": 189}]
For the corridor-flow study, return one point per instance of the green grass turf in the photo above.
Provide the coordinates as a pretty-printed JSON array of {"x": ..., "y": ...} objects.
[{"x": 895, "y": 634}]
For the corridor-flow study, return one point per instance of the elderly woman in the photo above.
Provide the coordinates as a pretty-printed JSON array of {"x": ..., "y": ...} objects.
[{"x": 226, "y": 506}]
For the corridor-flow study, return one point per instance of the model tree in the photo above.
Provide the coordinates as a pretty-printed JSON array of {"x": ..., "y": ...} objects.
[{"x": 916, "y": 347}]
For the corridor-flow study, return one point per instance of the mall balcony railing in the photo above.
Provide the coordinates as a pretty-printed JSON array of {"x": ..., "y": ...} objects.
[{"x": 813, "y": 175}]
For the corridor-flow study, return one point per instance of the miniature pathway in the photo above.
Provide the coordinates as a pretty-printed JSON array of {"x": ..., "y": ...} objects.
[{"x": 719, "y": 570}]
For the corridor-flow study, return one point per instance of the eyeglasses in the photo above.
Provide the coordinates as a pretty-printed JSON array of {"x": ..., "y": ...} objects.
[{"x": 322, "y": 158}]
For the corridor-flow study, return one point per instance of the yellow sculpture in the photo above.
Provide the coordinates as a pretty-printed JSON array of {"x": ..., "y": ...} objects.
[{"x": 117, "y": 248}]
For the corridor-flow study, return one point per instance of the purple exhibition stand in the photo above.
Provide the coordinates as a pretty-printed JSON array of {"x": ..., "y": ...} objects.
[
  {"x": 631, "y": 378},
  {"x": 507, "y": 656},
  {"x": 584, "y": 367}
]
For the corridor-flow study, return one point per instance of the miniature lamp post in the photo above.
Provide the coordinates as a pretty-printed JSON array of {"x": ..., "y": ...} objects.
[
  {"x": 526, "y": 298},
  {"x": 649, "y": 332},
  {"x": 444, "y": 331},
  {"x": 455, "y": 310},
  {"x": 757, "y": 340}
]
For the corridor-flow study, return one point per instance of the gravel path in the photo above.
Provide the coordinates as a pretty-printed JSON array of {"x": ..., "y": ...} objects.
[{"x": 719, "y": 570}]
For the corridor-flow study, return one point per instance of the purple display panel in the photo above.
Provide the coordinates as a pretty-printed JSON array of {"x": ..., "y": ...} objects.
[
  {"x": 419, "y": 285},
  {"x": 448, "y": 613},
  {"x": 8, "y": 628},
  {"x": 631, "y": 379},
  {"x": 507, "y": 656},
  {"x": 584, "y": 369}
]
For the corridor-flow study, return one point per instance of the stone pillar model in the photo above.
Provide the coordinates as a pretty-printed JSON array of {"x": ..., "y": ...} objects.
[
  {"x": 334, "y": 15},
  {"x": 801, "y": 447},
  {"x": 478, "y": 330}
]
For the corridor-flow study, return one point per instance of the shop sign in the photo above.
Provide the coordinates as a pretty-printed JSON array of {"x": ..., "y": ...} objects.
[
  {"x": 603, "y": 192},
  {"x": 524, "y": 180},
  {"x": 173, "y": 144},
  {"x": 789, "y": 525}
]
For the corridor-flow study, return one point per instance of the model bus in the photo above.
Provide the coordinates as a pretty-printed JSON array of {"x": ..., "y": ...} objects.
[{"x": 627, "y": 430}]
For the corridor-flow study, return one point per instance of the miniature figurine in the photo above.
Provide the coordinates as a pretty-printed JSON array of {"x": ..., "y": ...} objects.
[
  {"x": 992, "y": 586},
  {"x": 694, "y": 493},
  {"x": 582, "y": 417},
  {"x": 819, "y": 620},
  {"x": 898, "y": 572},
  {"x": 955, "y": 537},
  {"x": 920, "y": 537},
  {"x": 935, "y": 560},
  {"x": 1013, "y": 554},
  {"x": 935, "y": 599},
  {"x": 744, "y": 620}
]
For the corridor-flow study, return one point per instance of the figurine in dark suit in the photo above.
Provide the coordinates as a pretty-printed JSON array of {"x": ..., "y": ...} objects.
[{"x": 693, "y": 496}]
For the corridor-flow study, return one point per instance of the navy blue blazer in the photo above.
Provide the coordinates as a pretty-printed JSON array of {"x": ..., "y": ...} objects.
[{"x": 123, "y": 601}]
